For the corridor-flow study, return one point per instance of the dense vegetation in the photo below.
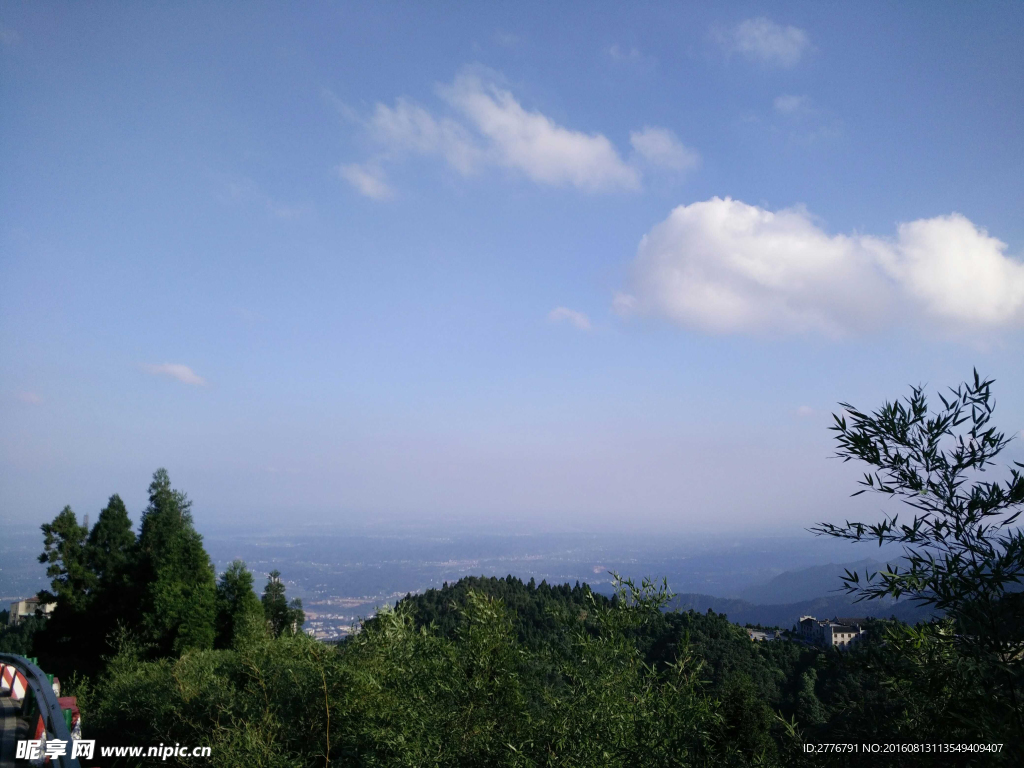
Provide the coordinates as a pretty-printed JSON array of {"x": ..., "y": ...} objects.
[{"x": 497, "y": 672}]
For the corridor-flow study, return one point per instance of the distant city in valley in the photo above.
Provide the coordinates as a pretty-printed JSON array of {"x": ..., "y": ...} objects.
[{"x": 343, "y": 577}]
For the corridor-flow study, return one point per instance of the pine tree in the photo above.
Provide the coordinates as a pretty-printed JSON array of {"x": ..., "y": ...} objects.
[
  {"x": 283, "y": 618},
  {"x": 71, "y": 585},
  {"x": 180, "y": 604},
  {"x": 112, "y": 554},
  {"x": 64, "y": 551},
  {"x": 111, "y": 546},
  {"x": 236, "y": 602}
]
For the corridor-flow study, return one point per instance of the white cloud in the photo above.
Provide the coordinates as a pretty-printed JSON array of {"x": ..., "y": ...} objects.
[
  {"x": 662, "y": 149},
  {"x": 765, "y": 41},
  {"x": 491, "y": 128},
  {"x": 29, "y": 398},
  {"x": 804, "y": 410},
  {"x": 792, "y": 105},
  {"x": 409, "y": 128},
  {"x": 578, "y": 319},
  {"x": 534, "y": 144},
  {"x": 727, "y": 267},
  {"x": 182, "y": 373},
  {"x": 368, "y": 180}
]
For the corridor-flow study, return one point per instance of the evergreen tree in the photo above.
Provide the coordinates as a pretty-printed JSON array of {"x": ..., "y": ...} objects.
[
  {"x": 110, "y": 550},
  {"x": 72, "y": 582},
  {"x": 236, "y": 601},
  {"x": 180, "y": 603},
  {"x": 64, "y": 552},
  {"x": 283, "y": 618},
  {"x": 111, "y": 554}
]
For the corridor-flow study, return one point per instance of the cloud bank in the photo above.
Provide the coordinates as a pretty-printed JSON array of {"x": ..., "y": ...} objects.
[
  {"x": 489, "y": 127},
  {"x": 181, "y": 373},
  {"x": 724, "y": 266}
]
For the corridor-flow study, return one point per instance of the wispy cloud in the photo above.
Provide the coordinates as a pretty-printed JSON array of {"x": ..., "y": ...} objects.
[
  {"x": 407, "y": 128},
  {"x": 564, "y": 314},
  {"x": 728, "y": 267},
  {"x": 765, "y": 41},
  {"x": 630, "y": 56},
  {"x": 248, "y": 191},
  {"x": 368, "y": 180},
  {"x": 534, "y": 144},
  {"x": 29, "y": 398},
  {"x": 792, "y": 105},
  {"x": 181, "y": 373},
  {"x": 487, "y": 126},
  {"x": 662, "y": 149}
]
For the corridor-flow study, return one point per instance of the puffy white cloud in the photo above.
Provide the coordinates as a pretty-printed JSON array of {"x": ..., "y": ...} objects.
[
  {"x": 182, "y": 373},
  {"x": 578, "y": 319},
  {"x": 957, "y": 271},
  {"x": 765, "y": 41},
  {"x": 662, "y": 149},
  {"x": 727, "y": 267},
  {"x": 534, "y": 144},
  {"x": 368, "y": 180}
]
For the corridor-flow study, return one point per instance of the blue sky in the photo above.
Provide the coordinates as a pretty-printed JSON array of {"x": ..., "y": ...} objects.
[{"x": 593, "y": 267}]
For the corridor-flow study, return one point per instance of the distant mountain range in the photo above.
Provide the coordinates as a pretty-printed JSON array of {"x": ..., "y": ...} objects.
[
  {"x": 814, "y": 591},
  {"x": 807, "y": 583}
]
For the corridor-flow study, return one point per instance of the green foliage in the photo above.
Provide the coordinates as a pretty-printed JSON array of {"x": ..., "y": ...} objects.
[
  {"x": 402, "y": 695},
  {"x": 965, "y": 556},
  {"x": 180, "y": 605},
  {"x": 283, "y": 617},
  {"x": 160, "y": 586},
  {"x": 236, "y": 602},
  {"x": 64, "y": 553},
  {"x": 19, "y": 639},
  {"x": 72, "y": 587},
  {"x": 110, "y": 548}
]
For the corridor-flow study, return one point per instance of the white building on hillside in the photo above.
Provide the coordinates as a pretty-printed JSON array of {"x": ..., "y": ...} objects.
[
  {"x": 834, "y": 633},
  {"x": 21, "y": 609}
]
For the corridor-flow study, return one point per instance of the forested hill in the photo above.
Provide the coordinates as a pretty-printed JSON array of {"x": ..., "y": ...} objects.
[
  {"x": 536, "y": 605},
  {"x": 832, "y": 696}
]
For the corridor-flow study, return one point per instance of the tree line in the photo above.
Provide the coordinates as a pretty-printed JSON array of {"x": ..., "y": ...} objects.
[{"x": 157, "y": 588}]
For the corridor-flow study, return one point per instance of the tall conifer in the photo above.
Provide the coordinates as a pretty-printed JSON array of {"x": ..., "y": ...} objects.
[{"x": 180, "y": 605}]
